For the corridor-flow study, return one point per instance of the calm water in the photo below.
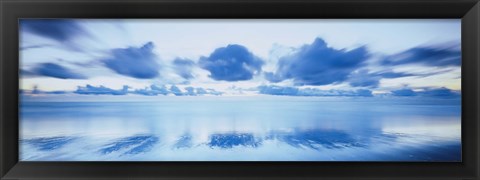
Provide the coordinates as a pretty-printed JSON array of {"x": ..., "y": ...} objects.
[{"x": 265, "y": 128}]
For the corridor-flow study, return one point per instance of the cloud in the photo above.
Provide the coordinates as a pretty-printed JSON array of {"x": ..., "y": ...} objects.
[
  {"x": 36, "y": 90},
  {"x": 364, "y": 79},
  {"x": 398, "y": 74},
  {"x": 26, "y": 73},
  {"x": 201, "y": 91},
  {"x": 175, "y": 90},
  {"x": 278, "y": 90},
  {"x": 213, "y": 92},
  {"x": 293, "y": 91},
  {"x": 152, "y": 91},
  {"x": 34, "y": 47},
  {"x": 232, "y": 63},
  {"x": 272, "y": 77},
  {"x": 362, "y": 92},
  {"x": 429, "y": 56},
  {"x": 61, "y": 30},
  {"x": 162, "y": 89},
  {"x": 183, "y": 67},
  {"x": 100, "y": 90},
  {"x": 334, "y": 92},
  {"x": 135, "y": 62},
  {"x": 190, "y": 91},
  {"x": 57, "y": 92},
  {"x": 439, "y": 92},
  {"x": 318, "y": 64},
  {"x": 404, "y": 92},
  {"x": 52, "y": 70},
  {"x": 427, "y": 92}
]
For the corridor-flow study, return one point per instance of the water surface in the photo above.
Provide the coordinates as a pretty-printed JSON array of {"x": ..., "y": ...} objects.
[{"x": 257, "y": 128}]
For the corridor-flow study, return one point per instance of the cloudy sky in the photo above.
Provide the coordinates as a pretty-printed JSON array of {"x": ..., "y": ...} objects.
[{"x": 240, "y": 57}]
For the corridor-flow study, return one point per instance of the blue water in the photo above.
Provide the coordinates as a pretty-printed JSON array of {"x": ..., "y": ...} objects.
[{"x": 257, "y": 128}]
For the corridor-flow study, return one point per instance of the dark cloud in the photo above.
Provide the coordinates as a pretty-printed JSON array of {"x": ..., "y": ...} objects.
[
  {"x": 183, "y": 67},
  {"x": 272, "y": 77},
  {"x": 100, "y": 90},
  {"x": 439, "y": 92},
  {"x": 52, "y": 70},
  {"x": 87, "y": 64},
  {"x": 57, "y": 92},
  {"x": 293, "y": 91},
  {"x": 134, "y": 62},
  {"x": 232, "y": 63},
  {"x": 26, "y": 73},
  {"x": 404, "y": 92},
  {"x": 364, "y": 78},
  {"x": 318, "y": 64},
  {"x": 427, "y": 92},
  {"x": 429, "y": 56},
  {"x": 57, "y": 29}
]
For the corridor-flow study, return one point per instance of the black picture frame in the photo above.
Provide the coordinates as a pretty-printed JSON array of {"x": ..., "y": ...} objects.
[{"x": 467, "y": 10}]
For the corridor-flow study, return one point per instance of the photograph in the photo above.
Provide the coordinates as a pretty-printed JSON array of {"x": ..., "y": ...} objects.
[{"x": 317, "y": 90}]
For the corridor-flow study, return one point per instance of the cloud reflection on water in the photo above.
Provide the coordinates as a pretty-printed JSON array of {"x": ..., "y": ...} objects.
[{"x": 313, "y": 139}]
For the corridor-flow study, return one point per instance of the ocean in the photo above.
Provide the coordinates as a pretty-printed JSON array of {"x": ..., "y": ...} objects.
[{"x": 243, "y": 128}]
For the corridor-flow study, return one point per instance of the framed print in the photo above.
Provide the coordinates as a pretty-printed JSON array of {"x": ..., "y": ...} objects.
[{"x": 227, "y": 89}]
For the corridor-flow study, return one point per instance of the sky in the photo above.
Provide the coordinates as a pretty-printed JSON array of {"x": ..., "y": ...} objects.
[{"x": 187, "y": 57}]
